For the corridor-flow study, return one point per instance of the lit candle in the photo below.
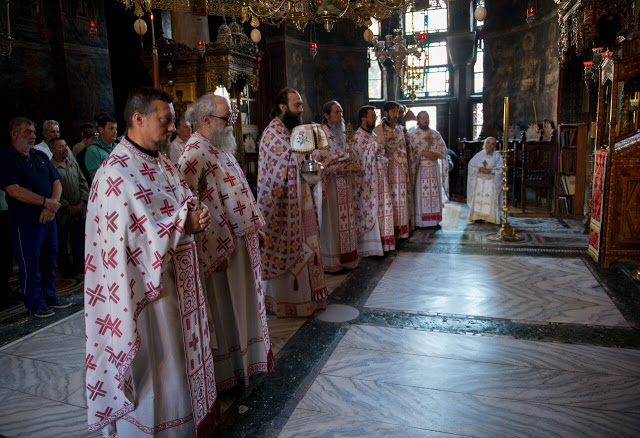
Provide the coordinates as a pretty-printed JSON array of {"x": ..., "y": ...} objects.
[{"x": 153, "y": 32}]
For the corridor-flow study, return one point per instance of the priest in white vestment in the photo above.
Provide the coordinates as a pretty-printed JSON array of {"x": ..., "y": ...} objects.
[
  {"x": 291, "y": 262},
  {"x": 183, "y": 129},
  {"x": 374, "y": 214},
  {"x": 149, "y": 366},
  {"x": 428, "y": 172},
  {"x": 484, "y": 184},
  {"x": 229, "y": 254},
  {"x": 338, "y": 240},
  {"x": 398, "y": 170}
]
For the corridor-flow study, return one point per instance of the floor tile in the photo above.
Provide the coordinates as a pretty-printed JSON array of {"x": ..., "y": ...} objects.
[
  {"x": 78, "y": 398},
  {"x": 579, "y": 389},
  {"x": 53, "y": 347},
  {"x": 281, "y": 330},
  {"x": 24, "y": 415},
  {"x": 511, "y": 287},
  {"x": 73, "y": 326},
  {"x": 312, "y": 424},
  {"x": 494, "y": 349},
  {"x": 462, "y": 414}
]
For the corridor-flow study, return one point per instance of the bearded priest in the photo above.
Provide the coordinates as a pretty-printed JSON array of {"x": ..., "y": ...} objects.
[
  {"x": 291, "y": 262},
  {"x": 428, "y": 172},
  {"x": 484, "y": 184},
  {"x": 229, "y": 253}
]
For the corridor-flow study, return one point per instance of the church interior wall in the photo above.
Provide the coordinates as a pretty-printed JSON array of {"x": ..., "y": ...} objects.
[
  {"x": 55, "y": 64},
  {"x": 520, "y": 62}
]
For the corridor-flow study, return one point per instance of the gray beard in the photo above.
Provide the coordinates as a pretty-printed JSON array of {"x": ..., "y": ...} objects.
[
  {"x": 162, "y": 146},
  {"x": 338, "y": 131},
  {"x": 488, "y": 154},
  {"x": 224, "y": 140}
]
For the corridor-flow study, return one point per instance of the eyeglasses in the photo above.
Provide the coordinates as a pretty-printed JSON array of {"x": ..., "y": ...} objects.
[{"x": 229, "y": 119}]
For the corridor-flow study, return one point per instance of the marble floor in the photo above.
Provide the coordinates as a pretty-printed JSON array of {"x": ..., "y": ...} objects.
[{"x": 450, "y": 335}]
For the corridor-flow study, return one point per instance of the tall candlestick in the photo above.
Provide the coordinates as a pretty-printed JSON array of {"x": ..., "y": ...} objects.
[{"x": 153, "y": 31}]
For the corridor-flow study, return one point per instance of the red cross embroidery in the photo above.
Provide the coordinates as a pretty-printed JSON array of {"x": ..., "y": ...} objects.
[
  {"x": 211, "y": 168},
  {"x": 214, "y": 152},
  {"x": 95, "y": 295},
  {"x": 240, "y": 208},
  {"x": 151, "y": 288},
  {"x": 131, "y": 284},
  {"x": 254, "y": 217},
  {"x": 143, "y": 194},
  {"x": 137, "y": 223},
  {"x": 230, "y": 179},
  {"x": 167, "y": 209},
  {"x": 109, "y": 259},
  {"x": 165, "y": 229},
  {"x": 224, "y": 198},
  {"x": 105, "y": 414},
  {"x": 115, "y": 359},
  {"x": 148, "y": 172},
  {"x": 194, "y": 342},
  {"x": 108, "y": 324},
  {"x": 88, "y": 266},
  {"x": 223, "y": 244},
  {"x": 89, "y": 362},
  {"x": 223, "y": 220},
  {"x": 111, "y": 221},
  {"x": 119, "y": 159},
  {"x": 169, "y": 187},
  {"x": 94, "y": 191},
  {"x": 190, "y": 167},
  {"x": 158, "y": 262},
  {"x": 112, "y": 293},
  {"x": 132, "y": 256},
  {"x": 114, "y": 186},
  {"x": 244, "y": 190},
  {"x": 96, "y": 390}
]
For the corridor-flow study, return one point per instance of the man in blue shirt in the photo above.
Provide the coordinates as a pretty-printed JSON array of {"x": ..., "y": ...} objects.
[
  {"x": 33, "y": 192},
  {"x": 102, "y": 147}
]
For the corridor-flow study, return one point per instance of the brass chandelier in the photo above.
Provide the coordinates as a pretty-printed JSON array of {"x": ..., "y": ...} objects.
[{"x": 275, "y": 12}]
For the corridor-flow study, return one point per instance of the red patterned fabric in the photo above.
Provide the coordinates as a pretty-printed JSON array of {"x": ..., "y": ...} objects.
[
  {"x": 286, "y": 203},
  {"x": 398, "y": 172},
  {"x": 367, "y": 153},
  {"x": 597, "y": 202},
  {"x": 135, "y": 216}
]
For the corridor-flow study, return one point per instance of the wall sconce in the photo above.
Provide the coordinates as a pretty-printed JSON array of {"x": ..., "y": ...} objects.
[
  {"x": 532, "y": 11},
  {"x": 588, "y": 74},
  {"x": 201, "y": 47},
  {"x": 93, "y": 29}
]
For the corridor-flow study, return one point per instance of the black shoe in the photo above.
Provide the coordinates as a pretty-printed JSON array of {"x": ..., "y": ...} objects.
[
  {"x": 45, "y": 312},
  {"x": 62, "y": 303}
]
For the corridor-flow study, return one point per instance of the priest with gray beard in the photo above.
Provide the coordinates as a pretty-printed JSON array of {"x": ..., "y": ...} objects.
[
  {"x": 229, "y": 253},
  {"x": 338, "y": 236}
]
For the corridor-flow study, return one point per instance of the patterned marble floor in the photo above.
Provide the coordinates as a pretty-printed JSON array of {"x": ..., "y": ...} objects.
[
  {"x": 43, "y": 377},
  {"x": 382, "y": 382},
  {"x": 523, "y": 288}
]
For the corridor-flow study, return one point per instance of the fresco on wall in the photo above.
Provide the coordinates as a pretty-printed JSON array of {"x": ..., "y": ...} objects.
[
  {"x": 91, "y": 91},
  {"x": 522, "y": 64}
]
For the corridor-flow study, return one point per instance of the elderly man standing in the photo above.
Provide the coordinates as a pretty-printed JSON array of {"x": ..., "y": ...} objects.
[
  {"x": 291, "y": 261},
  {"x": 70, "y": 216},
  {"x": 229, "y": 253},
  {"x": 103, "y": 146},
  {"x": 374, "y": 214},
  {"x": 484, "y": 184},
  {"x": 395, "y": 146},
  {"x": 50, "y": 129},
  {"x": 338, "y": 239},
  {"x": 33, "y": 196},
  {"x": 183, "y": 129},
  {"x": 428, "y": 172},
  {"x": 149, "y": 367}
]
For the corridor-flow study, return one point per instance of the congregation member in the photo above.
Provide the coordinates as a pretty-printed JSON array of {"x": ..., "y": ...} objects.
[
  {"x": 88, "y": 135},
  {"x": 396, "y": 152},
  {"x": 428, "y": 172},
  {"x": 338, "y": 238},
  {"x": 71, "y": 214},
  {"x": 229, "y": 254},
  {"x": 33, "y": 192},
  {"x": 50, "y": 129},
  {"x": 103, "y": 146},
  {"x": 149, "y": 366},
  {"x": 374, "y": 214},
  {"x": 183, "y": 131},
  {"x": 291, "y": 261},
  {"x": 484, "y": 184}
]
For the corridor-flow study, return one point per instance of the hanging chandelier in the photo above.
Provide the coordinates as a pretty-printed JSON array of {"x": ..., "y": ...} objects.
[{"x": 275, "y": 12}]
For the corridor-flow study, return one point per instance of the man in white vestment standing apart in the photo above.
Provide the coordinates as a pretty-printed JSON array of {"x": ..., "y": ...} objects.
[
  {"x": 484, "y": 184},
  {"x": 428, "y": 172},
  {"x": 229, "y": 254},
  {"x": 396, "y": 149},
  {"x": 291, "y": 262},
  {"x": 374, "y": 214},
  {"x": 149, "y": 363},
  {"x": 183, "y": 129},
  {"x": 338, "y": 240}
]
